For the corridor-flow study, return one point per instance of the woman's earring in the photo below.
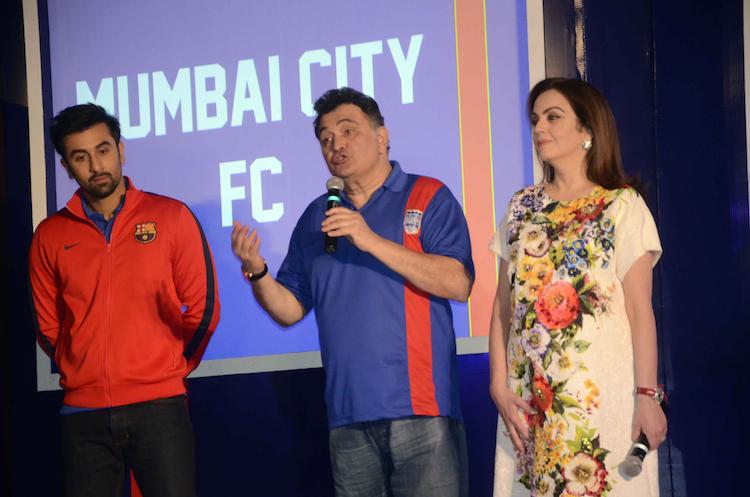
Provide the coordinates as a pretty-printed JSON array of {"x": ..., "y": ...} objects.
[{"x": 586, "y": 145}]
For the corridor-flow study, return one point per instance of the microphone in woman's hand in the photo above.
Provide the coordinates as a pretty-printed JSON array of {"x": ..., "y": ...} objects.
[{"x": 633, "y": 463}]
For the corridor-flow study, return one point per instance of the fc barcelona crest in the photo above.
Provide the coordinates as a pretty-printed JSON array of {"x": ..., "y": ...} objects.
[
  {"x": 145, "y": 232},
  {"x": 412, "y": 221}
]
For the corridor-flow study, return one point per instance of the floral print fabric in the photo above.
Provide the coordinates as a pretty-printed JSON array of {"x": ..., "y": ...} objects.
[{"x": 569, "y": 351}]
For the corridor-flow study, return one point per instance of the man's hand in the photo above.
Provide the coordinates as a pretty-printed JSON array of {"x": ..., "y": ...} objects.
[
  {"x": 273, "y": 297},
  {"x": 246, "y": 246},
  {"x": 437, "y": 275},
  {"x": 341, "y": 221}
]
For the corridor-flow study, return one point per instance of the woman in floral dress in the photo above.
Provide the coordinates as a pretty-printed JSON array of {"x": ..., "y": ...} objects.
[{"x": 573, "y": 331}]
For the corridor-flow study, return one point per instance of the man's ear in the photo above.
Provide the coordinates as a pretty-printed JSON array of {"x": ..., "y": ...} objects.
[
  {"x": 383, "y": 139},
  {"x": 121, "y": 151}
]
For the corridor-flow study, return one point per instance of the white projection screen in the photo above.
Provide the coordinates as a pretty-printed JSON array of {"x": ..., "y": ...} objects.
[{"x": 215, "y": 102}]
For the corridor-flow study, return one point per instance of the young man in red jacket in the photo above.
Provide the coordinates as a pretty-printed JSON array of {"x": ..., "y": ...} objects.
[{"x": 125, "y": 299}]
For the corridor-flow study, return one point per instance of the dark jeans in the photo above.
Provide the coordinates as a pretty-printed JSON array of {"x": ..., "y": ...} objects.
[
  {"x": 411, "y": 457},
  {"x": 154, "y": 438}
]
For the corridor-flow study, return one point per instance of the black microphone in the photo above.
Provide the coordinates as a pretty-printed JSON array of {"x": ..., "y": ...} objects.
[
  {"x": 633, "y": 463},
  {"x": 334, "y": 185}
]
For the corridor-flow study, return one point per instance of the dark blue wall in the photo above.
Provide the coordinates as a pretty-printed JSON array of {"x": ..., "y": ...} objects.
[
  {"x": 703, "y": 205},
  {"x": 673, "y": 73}
]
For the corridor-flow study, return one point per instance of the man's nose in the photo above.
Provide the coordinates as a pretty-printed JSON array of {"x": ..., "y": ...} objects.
[{"x": 96, "y": 164}]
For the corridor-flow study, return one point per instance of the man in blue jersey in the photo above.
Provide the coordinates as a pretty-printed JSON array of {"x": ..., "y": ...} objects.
[{"x": 381, "y": 304}]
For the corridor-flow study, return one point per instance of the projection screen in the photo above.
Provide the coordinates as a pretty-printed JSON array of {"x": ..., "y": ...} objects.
[{"x": 215, "y": 102}]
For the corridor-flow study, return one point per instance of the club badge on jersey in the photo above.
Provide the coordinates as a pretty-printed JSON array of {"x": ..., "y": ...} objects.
[
  {"x": 145, "y": 232},
  {"x": 412, "y": 221}
]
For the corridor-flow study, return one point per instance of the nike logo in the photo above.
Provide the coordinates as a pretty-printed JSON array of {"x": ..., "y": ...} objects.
[{"x": 69, "y": 246}]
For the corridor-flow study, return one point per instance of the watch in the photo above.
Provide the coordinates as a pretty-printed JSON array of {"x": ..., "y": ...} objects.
[
  {"x": 655, "y": 393},
  {"x": 255, "y": 276}
]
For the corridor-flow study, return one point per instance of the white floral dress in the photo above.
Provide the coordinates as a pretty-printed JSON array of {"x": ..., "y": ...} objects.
[{"x": 570, "y": 353}]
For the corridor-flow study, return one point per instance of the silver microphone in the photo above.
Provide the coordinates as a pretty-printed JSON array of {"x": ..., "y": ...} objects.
[{"x": 633, "y": 463}]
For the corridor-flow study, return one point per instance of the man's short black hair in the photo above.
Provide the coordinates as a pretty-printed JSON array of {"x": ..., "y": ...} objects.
[
  {"x": 79, "y": 118},
  {"x": 345, "y": 95}
]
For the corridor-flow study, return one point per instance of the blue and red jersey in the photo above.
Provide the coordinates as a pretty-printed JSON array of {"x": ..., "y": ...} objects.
[{"x": 389, "y": 349}]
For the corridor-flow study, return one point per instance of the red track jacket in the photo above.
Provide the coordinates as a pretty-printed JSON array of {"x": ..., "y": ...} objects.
[{"x": 125, "y": 321}]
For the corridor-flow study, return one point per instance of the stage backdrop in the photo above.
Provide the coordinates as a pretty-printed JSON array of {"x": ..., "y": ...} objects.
[{"x": 215, "y": 102}]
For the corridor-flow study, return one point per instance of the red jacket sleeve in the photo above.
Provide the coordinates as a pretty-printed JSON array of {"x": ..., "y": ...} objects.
[
  {"x": 45, "y": 296},
  {"x": 195, "y": 281}
]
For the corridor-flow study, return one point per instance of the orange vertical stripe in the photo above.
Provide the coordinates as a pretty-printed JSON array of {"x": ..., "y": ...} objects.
[
  {"x": 476, "y": 154},
  {"x": 417, "y": 311}
]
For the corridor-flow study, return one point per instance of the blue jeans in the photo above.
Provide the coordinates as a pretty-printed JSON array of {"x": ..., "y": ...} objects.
[
  {"x": 154, "y": 438},
  {"x": 411, "y": 457}
]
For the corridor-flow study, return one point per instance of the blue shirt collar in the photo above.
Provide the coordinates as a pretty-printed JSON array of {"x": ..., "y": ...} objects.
[
  {"x": 96, "y": 216},
  {"x": 91, "y": 213},
  {"x": 397, "y": 179},
  {"x": 98, "y": 219}
]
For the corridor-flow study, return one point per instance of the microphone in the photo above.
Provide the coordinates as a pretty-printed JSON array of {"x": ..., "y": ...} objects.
[
  {"x": 334, "y": 185},
  {"x": 633, "y": 463}
]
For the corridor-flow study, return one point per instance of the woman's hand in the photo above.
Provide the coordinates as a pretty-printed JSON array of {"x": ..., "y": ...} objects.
[
  {"x": 649, "y": 418},
  {"x": 511, "y": 408}
]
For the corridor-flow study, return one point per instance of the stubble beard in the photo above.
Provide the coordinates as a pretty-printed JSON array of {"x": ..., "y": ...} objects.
[{"x": 102, "y": 190}]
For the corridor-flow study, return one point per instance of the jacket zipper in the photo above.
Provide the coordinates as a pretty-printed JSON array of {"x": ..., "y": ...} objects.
[
  {"x": 107, "y": 387},
  {"x": 105, "y": 361},
  {"x": 108, "y": 244}
]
